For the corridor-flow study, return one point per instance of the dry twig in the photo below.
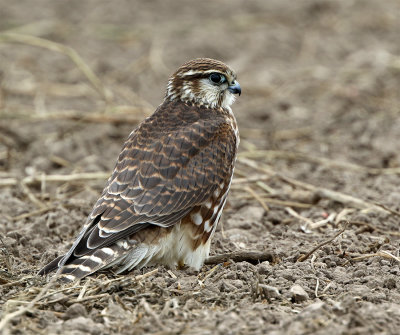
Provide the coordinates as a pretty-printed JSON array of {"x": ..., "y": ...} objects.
[
  {"x": 373, "y": 228},
  {"x": 392, "y": 211},
  {"x": 253, "y": 257},
  {"x": 302, "y": 258}
]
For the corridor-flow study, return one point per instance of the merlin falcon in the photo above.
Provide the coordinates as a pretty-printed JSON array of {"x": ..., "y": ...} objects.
[{"x": 164, "y": 199}]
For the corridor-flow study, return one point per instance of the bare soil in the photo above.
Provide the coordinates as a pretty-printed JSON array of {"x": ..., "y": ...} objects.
[{"x": 320, "y": 154}]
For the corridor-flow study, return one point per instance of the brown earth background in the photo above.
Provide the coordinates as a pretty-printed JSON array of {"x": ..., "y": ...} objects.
[{"x": 319, "y": 162}]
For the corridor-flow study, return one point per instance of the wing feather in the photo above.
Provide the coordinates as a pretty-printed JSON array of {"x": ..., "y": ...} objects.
[{"x": 168, "y": 166}]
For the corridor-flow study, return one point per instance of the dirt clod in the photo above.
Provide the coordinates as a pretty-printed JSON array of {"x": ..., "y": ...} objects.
[{"x": 74, "y": 311}]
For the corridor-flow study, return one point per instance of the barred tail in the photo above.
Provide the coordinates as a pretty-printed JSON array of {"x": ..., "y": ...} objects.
[
  {"x": 85, "y": 265},
  {"x": 123, "y": 255}
]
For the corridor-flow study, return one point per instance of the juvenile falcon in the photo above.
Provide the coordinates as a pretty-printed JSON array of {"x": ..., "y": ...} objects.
[{"x": 163, "y": 201}]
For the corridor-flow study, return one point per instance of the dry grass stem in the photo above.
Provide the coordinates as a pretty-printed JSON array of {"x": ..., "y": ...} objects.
[
  {"x": 255, "y": 165},
  {"x": 172, "y": 274},
  {"x": 343, "y": 214},
  {"x": 266, "y": 188},
  {"x": 298, "y": 216},
  {"x": 257, "y": 197},
  {"x": 33, "y": 213},
  {"x": 392, "y": 211},
  {"x": 134, "y": 116},
  {"x": 256, "y": 179},
  {"x": 345, "y": 199},
  {"x": 55, "y": 178},
  {"x": 286, "y": 203},
  {"x": 54, "y": 89},
  {"x": 383, "y": 253},
  {"x": 91, "y": 297},
  {"x": 132, "y": 278},
  {"x": 321, "y": 192},
  {"x": 17, "y": 282},
  {"x": 151, "y": 313},
  {"x": 83, "y": 290},
  {"x": 209, "y": 273},
  {"x": 22, "y": 310},
  {"x": 316, "y": 288},
  {"x": 273, "y": 201},
  {"x": 271, "y": 154},
  {"x": 330, "y": 219},
  {"x": 145, "y": 275},
  {"x": 60, "y": 48},
  {"x": 32, "y": 197}
]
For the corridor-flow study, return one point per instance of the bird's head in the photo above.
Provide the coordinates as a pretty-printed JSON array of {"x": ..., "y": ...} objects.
[{"x": 204, "y": 81}]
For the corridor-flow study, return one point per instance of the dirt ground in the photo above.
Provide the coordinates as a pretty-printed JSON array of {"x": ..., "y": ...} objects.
[{"x": 319, "y": 162}]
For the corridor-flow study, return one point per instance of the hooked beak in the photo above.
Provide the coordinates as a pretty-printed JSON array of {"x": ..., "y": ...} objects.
[{"x": 235, "y": 88}]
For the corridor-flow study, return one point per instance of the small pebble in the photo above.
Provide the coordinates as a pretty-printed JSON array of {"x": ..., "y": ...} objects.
[
  {"x": 271, "y": 291},
  {"x": 298, "y": 293}
]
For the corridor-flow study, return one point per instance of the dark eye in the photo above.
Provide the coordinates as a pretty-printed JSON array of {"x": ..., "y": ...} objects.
[{"x": 217, "y": 78}]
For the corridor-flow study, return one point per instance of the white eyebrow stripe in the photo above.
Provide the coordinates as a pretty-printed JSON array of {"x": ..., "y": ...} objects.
[
  {"x": 190, "y": 73},
  {"x": 194, "y": 72},
  {"x": 212, "y": 71}
]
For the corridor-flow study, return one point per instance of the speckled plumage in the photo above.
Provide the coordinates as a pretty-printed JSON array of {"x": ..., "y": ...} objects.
[{"x": 166, "y": 194}]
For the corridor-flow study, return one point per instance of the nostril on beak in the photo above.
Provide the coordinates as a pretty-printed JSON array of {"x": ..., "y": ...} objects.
[{"x": 235, "y": 88}]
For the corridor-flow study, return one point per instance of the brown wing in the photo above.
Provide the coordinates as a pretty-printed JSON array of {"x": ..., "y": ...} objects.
[{"x": 171, "y": 163}]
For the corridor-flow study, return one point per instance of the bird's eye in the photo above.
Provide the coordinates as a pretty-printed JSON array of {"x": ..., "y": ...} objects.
[{"x": 217, "y": 78}]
